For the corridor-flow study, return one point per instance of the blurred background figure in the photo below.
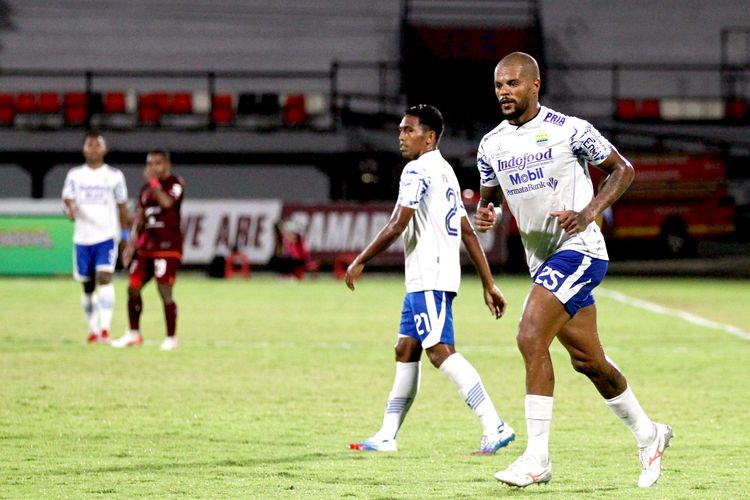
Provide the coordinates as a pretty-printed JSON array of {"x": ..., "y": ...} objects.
[
  {"x": 94, "y": 195},
  {"x": 291, "y": 258},
  {"x": 154, "y": 249}
]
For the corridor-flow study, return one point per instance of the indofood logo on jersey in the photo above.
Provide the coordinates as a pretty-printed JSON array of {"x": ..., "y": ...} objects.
[{"x": 524, "y": 161}]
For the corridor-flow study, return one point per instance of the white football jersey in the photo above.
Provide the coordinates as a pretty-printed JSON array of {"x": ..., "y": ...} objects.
[
  {"x": 432, "y": 240},
  {"x": 541, "y": 166},
  {"x": 96, "y": 192}
]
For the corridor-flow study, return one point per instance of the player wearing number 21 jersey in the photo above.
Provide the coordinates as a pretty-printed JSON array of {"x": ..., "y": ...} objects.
[{"x": 430, "y": 215}]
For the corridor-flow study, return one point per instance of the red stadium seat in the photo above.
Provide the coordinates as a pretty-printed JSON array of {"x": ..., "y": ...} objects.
[
  {"x": 650, "y": 109},
  {"x": 114, "y": 103},
  {"x": 626, "y": 109},
  {"x": 7, "y": 109},
  {"x": 222, "y": 112},
  {"x": 736, "y": 110},
  {"x": 181, "y": 103},
  {"x": 151, "y": 106},
  {"x": 638, "y": 109},
  {"x": 75, "y": 108},
  {"x": 27, "y": 103},
  {"x": 49, "y": 102},
  {"x": 294, "y": 110}
]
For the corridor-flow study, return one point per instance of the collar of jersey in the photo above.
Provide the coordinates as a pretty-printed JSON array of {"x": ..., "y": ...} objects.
[{"x": 531, "y": 123}]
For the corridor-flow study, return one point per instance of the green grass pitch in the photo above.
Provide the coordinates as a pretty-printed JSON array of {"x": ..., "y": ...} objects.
[{"x": 274, "y": 379}]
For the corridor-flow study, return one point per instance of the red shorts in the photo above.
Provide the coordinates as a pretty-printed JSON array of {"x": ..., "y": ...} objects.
[{"x": 142, "y": 269}]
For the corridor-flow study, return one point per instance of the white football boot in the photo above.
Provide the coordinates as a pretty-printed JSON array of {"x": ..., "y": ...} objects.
[{"x": 651, "y": 455}]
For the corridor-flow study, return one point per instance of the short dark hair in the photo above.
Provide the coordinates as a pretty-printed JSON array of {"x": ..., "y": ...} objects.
[
  {"x": 95, "y": 134},
  {"x": 162, "y": 152},
  {"x": 92, "y": 133},
  {"x": 429, "y": 116}
]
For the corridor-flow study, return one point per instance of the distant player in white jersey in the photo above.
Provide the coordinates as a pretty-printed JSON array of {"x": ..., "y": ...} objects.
[
  {"x": 430, "y": 214},
  {"x": 536, "y": 159},
  {"x": 95, "y": 197}
]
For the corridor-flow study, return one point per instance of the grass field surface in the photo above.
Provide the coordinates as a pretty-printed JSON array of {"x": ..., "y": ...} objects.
[{"x": 274, "y": 379}]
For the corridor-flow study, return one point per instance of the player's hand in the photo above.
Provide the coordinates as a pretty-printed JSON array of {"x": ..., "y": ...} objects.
[
  {"x": 353, "y": 272},
  {"x": 495, "y": 301},
  {"x": 71, "y": 213},
  {"x": 148, "y": 174},
  {"x": 572, "y": 222},
  {"x": 485, "y": 218}
]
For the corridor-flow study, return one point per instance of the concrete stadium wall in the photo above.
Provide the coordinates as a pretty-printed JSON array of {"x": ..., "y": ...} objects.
[{"x": 292, "y": 183}]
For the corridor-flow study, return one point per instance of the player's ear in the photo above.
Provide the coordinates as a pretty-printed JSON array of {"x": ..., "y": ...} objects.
[{"x": 431, "y": 137}]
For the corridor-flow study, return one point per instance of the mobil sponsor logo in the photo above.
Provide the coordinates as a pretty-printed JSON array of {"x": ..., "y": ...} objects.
[
  {"x": 525, "y": 160},
  {"x": 526, "y": 176}
]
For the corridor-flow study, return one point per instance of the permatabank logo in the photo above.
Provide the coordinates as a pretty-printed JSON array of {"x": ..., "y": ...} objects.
[{"x": 552, "y": 182}]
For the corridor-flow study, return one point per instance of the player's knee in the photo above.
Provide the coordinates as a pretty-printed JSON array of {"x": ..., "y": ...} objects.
[
  {"x": 585, "y": 366},
  {"x": 103, "y": 278},
  {"x": 134, "y": 290},
  {"x": 528, "y": 342},
  {"x": 407, "y": 352}
]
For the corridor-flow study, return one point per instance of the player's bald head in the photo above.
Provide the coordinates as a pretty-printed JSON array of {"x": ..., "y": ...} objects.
[{"x": 527, "y": 64}]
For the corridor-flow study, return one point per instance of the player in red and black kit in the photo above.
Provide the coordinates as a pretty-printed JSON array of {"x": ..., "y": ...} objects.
[{"x": 154, "y": 249}]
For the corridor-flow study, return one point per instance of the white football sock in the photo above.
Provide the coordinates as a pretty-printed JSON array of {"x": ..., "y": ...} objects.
[
  {"x": 405, "y": 387},
  {"x": 106, "y": 305},
  {"x": 469, "y": 385},
  {"x": 538, "y": 424},
  {"x": 628, "y": 409},
  {"x": 91, "y": 311}
]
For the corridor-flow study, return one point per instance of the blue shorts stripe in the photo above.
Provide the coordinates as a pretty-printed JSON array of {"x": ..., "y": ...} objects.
[
  {"x": 428, "y": 317},
  {"x": 88, "y": 259}
]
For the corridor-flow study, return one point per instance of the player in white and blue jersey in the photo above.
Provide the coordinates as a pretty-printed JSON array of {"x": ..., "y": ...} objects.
[
  {"x": 431, "y": 216},
  {"x": 536, "y": 160},
  {"x": 95, "y": 197}
]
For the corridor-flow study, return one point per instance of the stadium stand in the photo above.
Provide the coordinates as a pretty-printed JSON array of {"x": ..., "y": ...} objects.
[{"x": 309, "y": 78}]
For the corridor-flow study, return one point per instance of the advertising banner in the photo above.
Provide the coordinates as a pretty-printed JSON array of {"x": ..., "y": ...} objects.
[
  {"x": 35, "y": 244},
  {"x": 334, "y": 228},
  {"x": 213, "y": 228}
]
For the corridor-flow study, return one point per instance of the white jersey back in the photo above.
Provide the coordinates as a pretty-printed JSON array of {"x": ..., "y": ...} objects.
[
  {"x": 541, "y": 166},
  {"x": 432, "y": 240},
  {"x": 96, "y": 192}
]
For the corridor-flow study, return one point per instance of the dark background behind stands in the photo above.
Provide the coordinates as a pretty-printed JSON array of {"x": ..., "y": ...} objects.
[{"x": 315, "y": 90}]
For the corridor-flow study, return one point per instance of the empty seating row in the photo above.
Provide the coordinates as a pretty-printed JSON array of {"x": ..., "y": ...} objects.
[
  {"x": 118, "y": 108},
  {"x": 653, "y": 110}
]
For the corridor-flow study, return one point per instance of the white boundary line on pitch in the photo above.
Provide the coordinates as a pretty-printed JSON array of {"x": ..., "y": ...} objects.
[{"x": 678, "y": 313}]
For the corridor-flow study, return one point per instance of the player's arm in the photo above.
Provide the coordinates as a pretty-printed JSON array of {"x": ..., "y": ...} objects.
[
  {"x": 490, "y": 208},
  {"x": 620, "y": 176},
  {"x": 135, "y": 231},
  {"x": 391, "y": 231},
  {"x": 164, "y": 199},
  {"x": 125, "y": 221},
  {"x": 70, "y": 208},
  {"x": 492, "y": 295}
]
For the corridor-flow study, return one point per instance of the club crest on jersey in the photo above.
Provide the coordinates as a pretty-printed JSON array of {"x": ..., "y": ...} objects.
[
  {"x": 541, "y": 138},
  {"x": 552, "y": 182}
]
